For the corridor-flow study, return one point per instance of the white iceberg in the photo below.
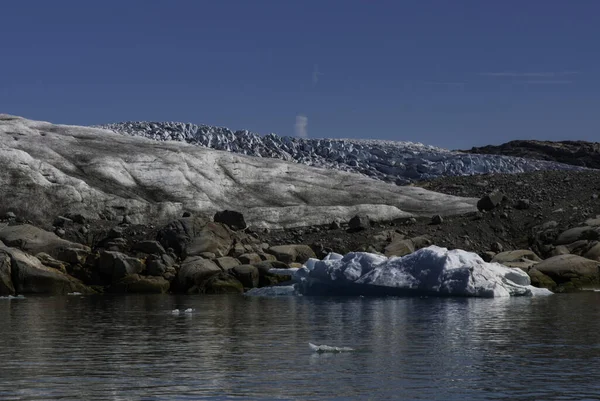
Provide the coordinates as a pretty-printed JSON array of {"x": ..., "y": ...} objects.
[{"x": 428, "y": 271}]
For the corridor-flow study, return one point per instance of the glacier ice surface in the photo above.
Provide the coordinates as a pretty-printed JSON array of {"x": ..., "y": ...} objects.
[
  {"x": 428, "y": 271},
  {"x": 401, "y": 162}
]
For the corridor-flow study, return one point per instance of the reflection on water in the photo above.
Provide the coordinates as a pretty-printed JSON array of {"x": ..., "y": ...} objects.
[{"x": 133, "y": 347}]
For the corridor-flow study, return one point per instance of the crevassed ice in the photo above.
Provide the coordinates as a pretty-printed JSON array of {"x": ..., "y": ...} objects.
[
  {"x": 428, "y": 271},
  {"x": 391, "y": 161}
]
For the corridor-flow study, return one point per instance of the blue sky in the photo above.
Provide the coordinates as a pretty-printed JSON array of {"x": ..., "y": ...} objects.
[{"x": 448, "y": 73}]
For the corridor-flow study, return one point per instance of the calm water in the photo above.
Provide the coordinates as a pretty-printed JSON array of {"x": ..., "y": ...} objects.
[{"x": 133, "y": 348}]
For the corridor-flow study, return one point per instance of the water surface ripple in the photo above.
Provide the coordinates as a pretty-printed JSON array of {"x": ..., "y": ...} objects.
[{"x": 234, "y": 347}]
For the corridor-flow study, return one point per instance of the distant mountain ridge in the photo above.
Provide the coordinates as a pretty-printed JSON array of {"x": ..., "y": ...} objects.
[
  {"x": 390, "y": 161},
  {"x": 576, "y": 153}
]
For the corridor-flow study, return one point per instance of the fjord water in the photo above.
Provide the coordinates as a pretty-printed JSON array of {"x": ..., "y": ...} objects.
[{"x": 235, "y": 347}]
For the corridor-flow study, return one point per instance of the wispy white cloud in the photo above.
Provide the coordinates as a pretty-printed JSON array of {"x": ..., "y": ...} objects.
[
  {"x": 543, "y": 74},
  {"x": 449, "y": 84},
  {"x": 300, "y": 126},
  {"x": 316, "y": 74},
  {"x": 549, "y": 82}
]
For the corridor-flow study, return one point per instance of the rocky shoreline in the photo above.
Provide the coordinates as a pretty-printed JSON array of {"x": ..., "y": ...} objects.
[{"x": 546, "y": 223}]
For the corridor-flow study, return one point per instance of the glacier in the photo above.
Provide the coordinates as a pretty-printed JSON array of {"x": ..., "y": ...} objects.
[
  {"x": 428, "y": 271},
  {"x": 391, "y": 161}
]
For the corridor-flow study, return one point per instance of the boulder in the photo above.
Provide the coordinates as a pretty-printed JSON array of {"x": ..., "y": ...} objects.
[
  {"x": 232, "y": 219},
  {"x": 6, "y": 285},
  {"x": 539, "y": 279},
  {"x": 155, "y": 266},
  {"x": 49, "y": 261},
  {"x": 593, "y": 253},
  {"x": 178, "y": 233},
  {"x": 292, "y": 253},
  {"x": 214, "y": 237},
  {"x": 73, "y": 255},
  {"x": 30, "y": 276},
  {"x": 227, "y": 262},
  {"x": 490, "y": 201},
  {"x": 247, "y": 275},
  {"x": 222, "y": 283},
  {"x": 117, "y": 265},
  {"x": 194, "y": 271},
  {"x": 136, "y": 284},
  {"x": 149, "y": 247},
  {"x": 570, "y": 268},
  {"x": 265, "y": 278},
  {"x": 33, "y": 240},
  {"x": 559, "y": 250},
  {"x": 249, "y": 258},
  {"x": 519, "y": 258},
  {"x": 523, "y": 204},
  {"x": 487, "y": 256},
  {"x": 359, "y": 222},
  {"x": 437, "y": 219},
  {"x": 399, "y": 248},
  {"x": 577, "y": 233}
]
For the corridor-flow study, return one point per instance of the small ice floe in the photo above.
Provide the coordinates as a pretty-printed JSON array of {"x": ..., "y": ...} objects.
[
  {"x": 74, "y": 293},
  {"x": 13, "y": 297},
  {"x": 326, "y": 348},
  {"x": 179, "y": 312}
]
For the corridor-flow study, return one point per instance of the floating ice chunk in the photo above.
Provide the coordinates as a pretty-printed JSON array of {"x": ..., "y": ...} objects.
[
  {"x": 188, "y": 310},
  {"x": 428, "y": 271},
  {"x": 284, "y": 272},
  {"x": 327, "y": 348},
  {"x": 74, "y": 293},
  {"x": 13, "y": 297},
  {"x": 175, "y": 311},
  {"x": 275, "y": 291}
]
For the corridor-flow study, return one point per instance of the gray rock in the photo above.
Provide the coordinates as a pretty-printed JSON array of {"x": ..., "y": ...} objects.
[
  {"x": 564, "y": 268},
  {"x": 232, "y": 219},
  {"x": 73, "y": 255},
  {"x": 155, "y": 267},
  {"x": 213, "y": 237},
  {"x": 593, "y": 253},
  {"x": 30, "y": 276},
  {"x": 178, "y": 233},
  {"x": 6, "y": 285},
  {"x": 490, "y": 201},
  {"x": 62, "y": 221},
  {"x": 34, "y": 240},
  {"x": 149, "y": 247},
  {"x": 194, "y": 271},
  {"x": 521, "y": 255},
  {"x": 136, "y": 284},
  {"x": 227, "y": 262},
  {"x": 523, "y": 204},
  {"x": 49, "y": 261},
  {"x": 487, "y": 256},
  {"x": 222, "y": 283},
  {"x": 292, "y": 253},
  {"x": 497, "y": 247},
  {"x": 359, "y": 222},
  {"x": 249, "y": 258},
  {"x": 401, "y": 247},
  {"x": 437, "y": 219},
  {"x": 577, "y": 233},
  {"x": 117, "y": 265},
  {"x": 248, "y": 275}
]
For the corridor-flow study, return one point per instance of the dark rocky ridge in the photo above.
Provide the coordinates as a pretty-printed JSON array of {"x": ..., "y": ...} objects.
[{"x": 576, "y": 153}]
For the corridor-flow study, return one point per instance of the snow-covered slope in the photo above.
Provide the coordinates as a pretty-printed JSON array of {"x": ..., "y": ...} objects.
[
  {"x": 428, "y": 271},
  {"x": 399, "y": 162},
  {"x": 47, "y": 170}
]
